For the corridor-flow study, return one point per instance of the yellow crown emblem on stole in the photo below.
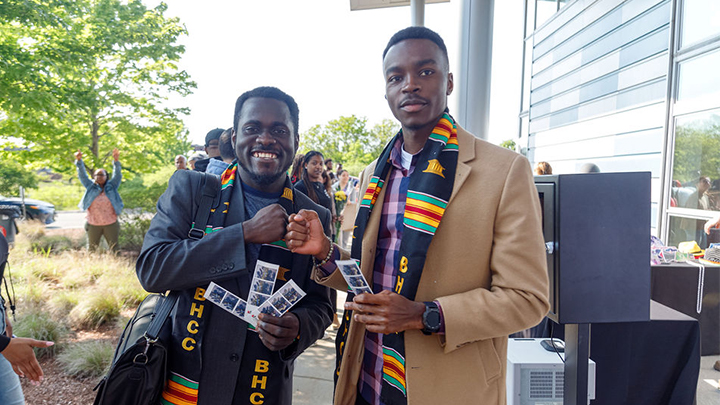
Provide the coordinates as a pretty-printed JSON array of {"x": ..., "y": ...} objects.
[
  {"x": 287, "y": 194},
  {"x": 435, "y": 167}
]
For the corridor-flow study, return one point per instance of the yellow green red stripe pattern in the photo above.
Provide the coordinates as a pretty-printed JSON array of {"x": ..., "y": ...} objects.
[
  {"x": 423, "y": 212},
  {"x": 372, "y": 192},
  {"x": 180, "y": 391},
  {"x": 445, "y": 132},
  {"x": 394, "y": 369},
  {"x": 227, "y": 179}
]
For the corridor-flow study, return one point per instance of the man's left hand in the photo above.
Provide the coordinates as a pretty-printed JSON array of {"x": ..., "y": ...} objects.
[
  {"x": 116, "y": 154},
  {"x": 386, "y": 312},
  {"x": 278, "y": 333}
]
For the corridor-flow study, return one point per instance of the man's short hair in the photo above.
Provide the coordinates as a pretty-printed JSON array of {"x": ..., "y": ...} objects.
[
  {"x": 226, "y": 147},
  {"x": 269, "y": 92},
  {"x": 417, "y": 33},
  {"x": 213, "y": 134},
  {"x": 327, "y": 160}
]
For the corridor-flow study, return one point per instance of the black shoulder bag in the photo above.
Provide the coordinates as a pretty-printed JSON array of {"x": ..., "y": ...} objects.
[{"x": 139, "y": 369}]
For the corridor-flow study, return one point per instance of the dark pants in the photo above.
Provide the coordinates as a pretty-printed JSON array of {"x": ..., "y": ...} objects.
[{"x": 111, "y": 232}]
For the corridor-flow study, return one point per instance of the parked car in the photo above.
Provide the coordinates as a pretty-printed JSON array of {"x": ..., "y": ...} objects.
[{"x": 34, "y": 209}]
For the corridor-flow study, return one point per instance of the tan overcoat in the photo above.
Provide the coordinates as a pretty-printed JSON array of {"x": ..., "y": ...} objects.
[{"x": 486, "y": 266}]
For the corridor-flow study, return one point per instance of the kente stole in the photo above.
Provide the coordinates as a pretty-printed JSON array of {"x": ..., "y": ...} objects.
[
  {"x": 185, "y": 366},
  {"x": 429, "y": 190}
]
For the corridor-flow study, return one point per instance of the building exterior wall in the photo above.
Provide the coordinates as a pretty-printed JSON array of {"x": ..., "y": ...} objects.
[{"x": 598, "y": 88}]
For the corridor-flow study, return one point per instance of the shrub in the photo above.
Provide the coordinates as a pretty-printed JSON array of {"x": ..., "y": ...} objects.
[
  {"x": 87, "y": 359},
  {"x": 55, "y": 244},
  {"x": 96, "y": 307},
  {"x": 142, "y": 193},
  {"x": 64, "y": 196},
  {"x": 38, "y": 324},
  {"x": 132, "y": 231}
]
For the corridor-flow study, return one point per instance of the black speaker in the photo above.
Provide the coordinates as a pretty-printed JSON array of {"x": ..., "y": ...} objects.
[{"x": 597, "y": 234}]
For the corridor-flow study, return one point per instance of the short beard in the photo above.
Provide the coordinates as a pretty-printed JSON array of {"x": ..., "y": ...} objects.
[{"x": 262, "y": 179}]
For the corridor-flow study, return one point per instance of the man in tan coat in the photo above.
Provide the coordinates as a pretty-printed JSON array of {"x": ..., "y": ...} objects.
[{"x": 448, "y": 236}]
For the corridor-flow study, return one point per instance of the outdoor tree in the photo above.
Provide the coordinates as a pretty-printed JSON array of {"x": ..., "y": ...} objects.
[
  {"x": 91, "y": 75},
  {"x": 347, "y": 140},
  {"x": 13, "y": 176}
]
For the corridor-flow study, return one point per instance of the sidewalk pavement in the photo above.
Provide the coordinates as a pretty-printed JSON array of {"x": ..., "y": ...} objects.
[{"x": 313, "y": 377}]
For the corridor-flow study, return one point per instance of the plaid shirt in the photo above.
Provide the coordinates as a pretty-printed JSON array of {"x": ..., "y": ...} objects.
[{"x": 385, "y": 270}]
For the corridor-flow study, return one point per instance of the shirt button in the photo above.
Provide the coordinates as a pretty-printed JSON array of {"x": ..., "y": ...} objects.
[{"x": 234, "y": 357}]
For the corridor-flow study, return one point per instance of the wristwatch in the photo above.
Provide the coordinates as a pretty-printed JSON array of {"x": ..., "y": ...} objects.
[{"x": 431, "y": 318}]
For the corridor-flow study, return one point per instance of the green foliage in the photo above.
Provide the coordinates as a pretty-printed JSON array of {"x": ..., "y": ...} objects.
[
  {"x": 38, "y": 324},
  {"x": 144, "y": 192},
  {"x": 347, "y": 140},
  {"x": 509, "y": 144},
  {"x": 90, "y": 75},
  {"x": 132, "y": 231},
  {"x": 13, "y": 175},
  {"x": 96, "y": 307},
  {"x": 87, "y": 359},
  {"x": 697, "y": 142},
  {"x": 64, "y": 196},
  {"x": 57, "y": 243}
]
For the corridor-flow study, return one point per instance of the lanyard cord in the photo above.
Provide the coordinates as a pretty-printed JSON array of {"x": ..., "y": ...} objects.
[{"x": 12, "y": 299}]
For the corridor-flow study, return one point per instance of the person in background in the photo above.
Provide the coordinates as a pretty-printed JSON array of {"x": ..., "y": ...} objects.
[
  {"x": 312, "y": 184},
  {"x": 194, "y": 158},
  {"x": 17, "y": 357},
  {"x": 329, "y": 169},
  {"x": 297, "y": 168},
  {"x": 347, "y": 216},
  {"x": 589, "y": 168},
  {"x": 212, "y": 148},
  {"x": 227, "y": 154},
  {"x": 542, "y": 168},
  {"x": 101, "y": 201},
  {"x": 437, "y": 240},
  {"x": 337, "y": 172},
  {"x": 180, "y": 162},
  {"x": 311, "y": 180}
]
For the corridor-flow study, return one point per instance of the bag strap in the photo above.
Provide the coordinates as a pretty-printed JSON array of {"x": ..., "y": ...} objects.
[{"x": 211, "y": 183}]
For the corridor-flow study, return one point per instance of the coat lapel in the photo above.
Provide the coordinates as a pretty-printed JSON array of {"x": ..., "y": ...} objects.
[{"x": 466, "y": 145}]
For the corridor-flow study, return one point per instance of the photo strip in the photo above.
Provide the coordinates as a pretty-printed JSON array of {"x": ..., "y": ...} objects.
[
  {"x": 226, "y": 300},
  {"x": 279, "y": 303},
  {"x": 355, "y": 279},
  {"x": 261, "y": 286}
]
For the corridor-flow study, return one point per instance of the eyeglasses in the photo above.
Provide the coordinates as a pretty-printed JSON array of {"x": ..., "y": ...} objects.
[{"x": 101, "y": 175}]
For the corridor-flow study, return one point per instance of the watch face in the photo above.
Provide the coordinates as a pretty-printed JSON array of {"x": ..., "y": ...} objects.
[{"x": 432, "y": 320}]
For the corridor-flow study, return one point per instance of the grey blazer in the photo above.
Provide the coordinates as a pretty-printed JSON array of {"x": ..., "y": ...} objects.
[{"x": 171, "y": 261}]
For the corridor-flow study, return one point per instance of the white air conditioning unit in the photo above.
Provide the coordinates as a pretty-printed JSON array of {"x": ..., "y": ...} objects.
[{"x": 535, "y": 376}]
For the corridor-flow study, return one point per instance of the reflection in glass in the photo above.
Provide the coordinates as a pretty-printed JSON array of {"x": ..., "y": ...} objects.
[
  {"x": 700, "y": 20},
  {"x": 685, "y": 230},
  {"x": 698, "y": 76},
  {"x": 545, "y": 10},
  {"x": 696, "y": 172}
]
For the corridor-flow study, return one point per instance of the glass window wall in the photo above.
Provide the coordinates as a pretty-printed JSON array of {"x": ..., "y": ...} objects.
[{"x": 700, "y": 20}]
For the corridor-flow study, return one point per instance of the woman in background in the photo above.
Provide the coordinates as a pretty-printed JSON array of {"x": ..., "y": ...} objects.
[{"x": 102, "y": 202}]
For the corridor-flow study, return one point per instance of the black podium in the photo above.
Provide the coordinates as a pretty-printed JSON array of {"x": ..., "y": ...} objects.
[{"x": 597, "y": 236}]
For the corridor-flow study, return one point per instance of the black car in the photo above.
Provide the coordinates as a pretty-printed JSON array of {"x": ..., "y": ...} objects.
[{"x": 34, "y": 209}]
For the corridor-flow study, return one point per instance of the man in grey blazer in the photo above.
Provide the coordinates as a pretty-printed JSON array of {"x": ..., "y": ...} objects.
[{"x": 215, "y": 357}]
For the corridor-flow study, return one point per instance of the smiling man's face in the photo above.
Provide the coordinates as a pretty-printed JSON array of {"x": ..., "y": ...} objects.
[
  {"x": 265, "y": 143},
  {"x": 417, "y": 83}
]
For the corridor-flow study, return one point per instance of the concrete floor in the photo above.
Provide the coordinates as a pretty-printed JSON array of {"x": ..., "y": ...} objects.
[{"x": 708, "y": 394}]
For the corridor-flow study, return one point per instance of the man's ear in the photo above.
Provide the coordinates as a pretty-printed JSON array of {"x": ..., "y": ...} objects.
[{"x": 450, "y": 84}]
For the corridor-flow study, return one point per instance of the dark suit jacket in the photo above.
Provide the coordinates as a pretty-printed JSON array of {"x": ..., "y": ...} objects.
[{"x": 171, "y": 261}]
